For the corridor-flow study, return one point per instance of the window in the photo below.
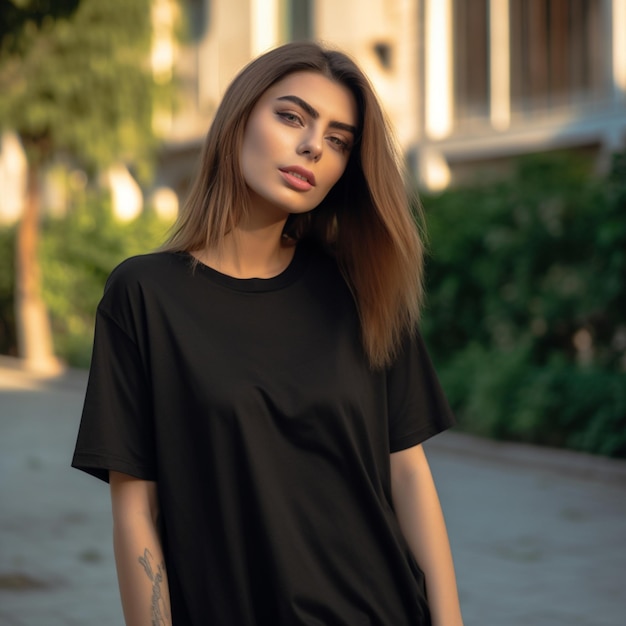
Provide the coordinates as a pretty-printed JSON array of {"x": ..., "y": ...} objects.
[
  {"x": 299, "y": 20},
  {"x": 471, "y": 59},
  {"x": 558, "y": 54},
  {"x": 197, "y": 14}
]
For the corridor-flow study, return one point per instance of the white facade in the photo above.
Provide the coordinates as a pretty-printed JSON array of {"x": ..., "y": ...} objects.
[{"x": 465, "y": 83}]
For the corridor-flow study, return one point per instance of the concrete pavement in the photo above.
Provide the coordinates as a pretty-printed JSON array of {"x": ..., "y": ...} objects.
[{"x": 539, "y": 536}]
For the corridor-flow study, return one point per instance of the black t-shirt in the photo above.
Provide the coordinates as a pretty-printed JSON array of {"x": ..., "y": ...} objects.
[{"x": 251, "y": 403}]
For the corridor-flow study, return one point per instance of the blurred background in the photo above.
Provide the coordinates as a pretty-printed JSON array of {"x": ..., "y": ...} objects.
[{"x": 512, "y": 117}]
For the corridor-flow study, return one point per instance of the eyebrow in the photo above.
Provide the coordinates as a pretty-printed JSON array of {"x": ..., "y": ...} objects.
[{"x": 314, "y": 113}]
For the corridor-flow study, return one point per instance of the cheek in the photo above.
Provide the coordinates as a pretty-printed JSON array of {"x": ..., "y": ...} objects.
[
  {"x": 256, "y": 142},
  {"x": 253, "y": 146}
]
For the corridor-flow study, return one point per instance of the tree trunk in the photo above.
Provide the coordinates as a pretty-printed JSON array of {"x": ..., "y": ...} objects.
[{"x": 34, "y": 334}]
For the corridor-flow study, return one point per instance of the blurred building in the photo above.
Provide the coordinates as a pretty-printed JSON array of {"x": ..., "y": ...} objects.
[{"x": 468, "y": 84}]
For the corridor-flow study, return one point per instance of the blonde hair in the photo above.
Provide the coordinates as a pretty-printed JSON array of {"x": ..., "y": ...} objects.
[{"x": 365, "y": 220}]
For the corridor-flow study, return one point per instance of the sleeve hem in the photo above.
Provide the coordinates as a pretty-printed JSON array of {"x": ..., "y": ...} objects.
[
  {"x": 99, "y": 467},
  {"x": 416, "y": 437}
]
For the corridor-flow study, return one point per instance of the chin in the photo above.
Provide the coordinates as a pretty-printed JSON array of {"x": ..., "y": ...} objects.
[{"x": 302, "y": 211}]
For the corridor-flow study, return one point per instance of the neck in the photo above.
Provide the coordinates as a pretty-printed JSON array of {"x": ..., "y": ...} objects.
[{"x": 250, "y": 251}]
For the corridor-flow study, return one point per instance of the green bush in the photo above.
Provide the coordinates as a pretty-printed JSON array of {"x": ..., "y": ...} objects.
[
  {"x": 77, "y": 253},
  {"x": 527, "y": 293}
]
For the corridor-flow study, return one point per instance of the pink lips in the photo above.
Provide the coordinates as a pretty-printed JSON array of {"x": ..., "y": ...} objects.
[{"x": 296, "y": 175}]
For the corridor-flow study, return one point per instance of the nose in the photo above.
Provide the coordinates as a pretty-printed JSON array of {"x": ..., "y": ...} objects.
[{"x": 311, "y": 147}]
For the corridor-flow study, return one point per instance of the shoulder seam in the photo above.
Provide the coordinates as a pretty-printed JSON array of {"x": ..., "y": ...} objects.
[{"x": 108, "y": 315}]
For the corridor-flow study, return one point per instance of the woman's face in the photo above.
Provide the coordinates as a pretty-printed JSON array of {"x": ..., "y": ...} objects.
[{"x": 297, "y": 143}]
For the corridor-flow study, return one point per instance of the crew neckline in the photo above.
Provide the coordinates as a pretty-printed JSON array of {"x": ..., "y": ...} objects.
[{"x": 295, "y": 268}]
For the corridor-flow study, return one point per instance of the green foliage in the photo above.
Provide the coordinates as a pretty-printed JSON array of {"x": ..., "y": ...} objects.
[
  {"x": 78, "y": 253},
  {"x": 76, "y": 86},
  {"x": 78, "y": 82},
  {"x": 527, "y": 293},
  {"x": 16, "y": 14}
]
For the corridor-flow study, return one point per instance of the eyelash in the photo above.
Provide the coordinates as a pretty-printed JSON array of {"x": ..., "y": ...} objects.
[
  {"x": 340, "y": 143},
  {"x": 294, "y": 118},
  {"x": 290, "y": 117}
]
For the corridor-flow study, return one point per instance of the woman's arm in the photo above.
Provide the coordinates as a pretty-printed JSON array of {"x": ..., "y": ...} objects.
[
  {"x": 138, "y": 553},
  {"x": 419, "y": 514}
]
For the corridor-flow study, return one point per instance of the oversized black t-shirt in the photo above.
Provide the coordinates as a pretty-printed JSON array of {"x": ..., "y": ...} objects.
[{"x": 250, "y": 402}]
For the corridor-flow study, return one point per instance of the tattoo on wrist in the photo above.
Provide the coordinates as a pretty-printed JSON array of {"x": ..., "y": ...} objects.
[{"x": 159, "y": 608}]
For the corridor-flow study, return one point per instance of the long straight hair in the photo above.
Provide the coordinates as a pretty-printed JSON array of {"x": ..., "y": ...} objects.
[{"x": 366, "y": 219}]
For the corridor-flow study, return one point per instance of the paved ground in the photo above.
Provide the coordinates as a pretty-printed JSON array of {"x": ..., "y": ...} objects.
[{"x": 539, "y": 536}]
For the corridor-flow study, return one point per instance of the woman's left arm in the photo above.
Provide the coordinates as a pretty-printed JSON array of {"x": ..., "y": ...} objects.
[{"x": 419, "y": 514}]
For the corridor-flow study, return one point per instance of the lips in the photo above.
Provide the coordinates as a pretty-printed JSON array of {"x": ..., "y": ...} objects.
[{"x": 299, "y": 173}]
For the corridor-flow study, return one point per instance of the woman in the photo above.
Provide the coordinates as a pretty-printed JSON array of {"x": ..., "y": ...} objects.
[{"x": 258, "y": 393}]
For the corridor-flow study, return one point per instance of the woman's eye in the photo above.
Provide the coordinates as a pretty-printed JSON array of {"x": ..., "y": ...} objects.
[
  {"x": 339, "y": 143},
  {"x": 290, "y": 117}
]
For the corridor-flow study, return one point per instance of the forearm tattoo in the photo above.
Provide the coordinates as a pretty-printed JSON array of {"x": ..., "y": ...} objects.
[{"x": 159, "y": 606}]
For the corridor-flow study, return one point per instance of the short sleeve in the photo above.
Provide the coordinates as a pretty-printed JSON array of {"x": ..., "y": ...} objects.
[
  {"x": 116, "y": 429},
  {"x": 418, "y": 408}
]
